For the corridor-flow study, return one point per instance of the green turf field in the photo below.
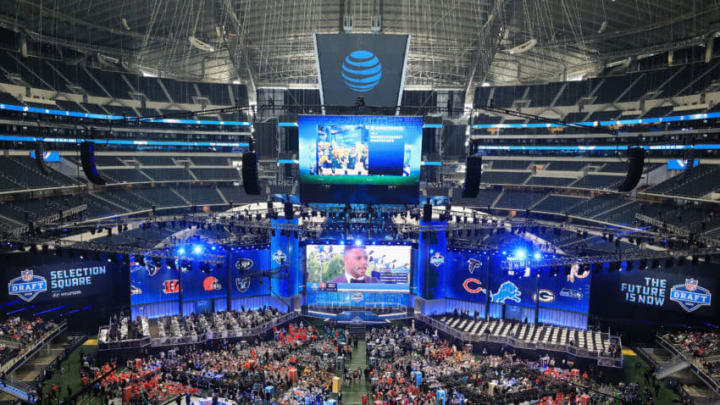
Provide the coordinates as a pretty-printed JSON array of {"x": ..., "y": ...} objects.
[{"x": 71, "y": 376}]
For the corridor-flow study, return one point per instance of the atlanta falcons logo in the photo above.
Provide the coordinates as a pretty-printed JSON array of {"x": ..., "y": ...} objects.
[{"x": 473, "y": 264}]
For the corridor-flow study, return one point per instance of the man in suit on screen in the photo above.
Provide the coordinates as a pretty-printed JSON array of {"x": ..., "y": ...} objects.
[{"x": 356, "y": 261}]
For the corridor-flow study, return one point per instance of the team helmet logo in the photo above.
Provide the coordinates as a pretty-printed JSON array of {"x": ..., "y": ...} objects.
[
  {"x": 473, "y": 286},
  {"x": 361, "y": 71},
  {"x": 437, "y": 259},
  {"x": 578, "y": 271},
  {"x": 570, "y": 293},
  {"x": 171, "y": 286},
  {"x": 690, "y": 295},
  {"x": 242, "y": 284},
  {"x": 507, "y": 291},
  {"x": 543, "y": 295},
  {"x": 211, "y": 284},
  {"x": 244, "y": 264},
  {"x": 27, "y": 286},
  {"x": 473, "y": 264}
]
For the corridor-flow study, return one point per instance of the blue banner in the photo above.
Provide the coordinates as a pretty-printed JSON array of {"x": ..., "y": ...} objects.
[
  {"x": 207, "y": 283},
  {"x": 467, "y": 278},
  {"x": 151, "y": 284},
  {"x": 245, "y": 263},
  {"x": 285, "y": 259},
  {"x": 431, "y": 267},
  {"x": 567, "y": 290}
]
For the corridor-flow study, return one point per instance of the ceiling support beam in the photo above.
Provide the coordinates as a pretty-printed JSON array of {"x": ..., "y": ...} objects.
[{"x": 487, "y": 43}]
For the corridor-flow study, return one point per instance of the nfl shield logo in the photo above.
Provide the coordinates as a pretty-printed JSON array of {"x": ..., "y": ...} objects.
[
  {"x": 437, "y": 259},
  {"x": 279, "y": 257},
  {"x": 691, "y": 296},
  {"x": 27, "y": 286}
]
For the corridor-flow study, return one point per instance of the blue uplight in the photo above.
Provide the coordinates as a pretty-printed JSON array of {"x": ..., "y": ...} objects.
[
  {"x": 520, "y": 254},
  {"x": 197, "y": 249},
  {"x": 537, "y": 256},
  {"x": 181, "y": 251}
]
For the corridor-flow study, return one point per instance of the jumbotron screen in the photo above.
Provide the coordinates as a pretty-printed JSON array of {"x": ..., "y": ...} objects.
[
  {"x": 353, "y": 266},
  {"x": 360, "y": 159}
]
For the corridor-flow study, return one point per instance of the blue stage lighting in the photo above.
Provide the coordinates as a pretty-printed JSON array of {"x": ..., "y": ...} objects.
[
  {"x": 358, "y": 242},
  {"x": 520, "y": 254},
  {"x": 181, "y": 251},
  {"x": 197, "y": 249},
  {"x": 537, "y": 256}
]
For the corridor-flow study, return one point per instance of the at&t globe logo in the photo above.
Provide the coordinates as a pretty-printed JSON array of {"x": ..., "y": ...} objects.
[{"x": 361, "y": 71}]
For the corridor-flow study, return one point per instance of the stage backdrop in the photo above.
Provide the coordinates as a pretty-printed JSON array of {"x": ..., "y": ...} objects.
[
  {"x": 41, "y": 284},
  {"x": 675, "y": 295}
]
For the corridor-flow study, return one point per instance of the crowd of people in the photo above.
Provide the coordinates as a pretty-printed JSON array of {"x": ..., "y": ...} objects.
[
  {"x": 294, "y": 364},
  {"x": 697, "y": 343},
  {"x": 22, "y": 332},
  {"x": 410, "y": 366}
]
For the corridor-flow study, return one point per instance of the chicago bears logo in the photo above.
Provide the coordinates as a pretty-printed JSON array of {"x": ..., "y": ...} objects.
[
  {"x": 27, "y": 286},
  {"x": 244, "y": 264},
  {"x": 690, "y": 295},
  {"x": 473, "y": 264},
  {"x": 506, "y": 291},
  {"x": 437, "y": 259},
  {"x": 171, "y": 286},
  {"x": 543, "y": 295},
  {"x": 242, "y": 284},
  {"x": 279, "y": 257},
  {"x": 473, "y": 286}
]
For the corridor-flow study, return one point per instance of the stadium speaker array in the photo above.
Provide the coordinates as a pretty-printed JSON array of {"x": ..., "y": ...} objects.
[
  {"x": 40, "y": 158},
  {"x": 250, "y": 173},
  {"x": 87, "y": 157},
  {"x": 427, "y": 212},
  {"x": 473, "y": 168},
  {"x": 636, "y": 162}
]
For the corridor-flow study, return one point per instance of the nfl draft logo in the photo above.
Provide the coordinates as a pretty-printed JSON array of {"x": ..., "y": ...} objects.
[
  {"x": 279, "y": 257},
  {"x": 437, "y": 259},
  {"x": 690, "y": 295},
  {"x": 27, "y": 286}
]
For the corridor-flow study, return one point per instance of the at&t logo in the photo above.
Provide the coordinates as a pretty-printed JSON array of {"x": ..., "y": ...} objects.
[{"x": 361, "y": 71}]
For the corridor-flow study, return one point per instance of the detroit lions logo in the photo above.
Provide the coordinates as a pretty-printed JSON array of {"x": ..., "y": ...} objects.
[
  {"x": 507, "y": 291},
  {"x": 473, "y": 264},
  {"x": 242, "y": 284}
]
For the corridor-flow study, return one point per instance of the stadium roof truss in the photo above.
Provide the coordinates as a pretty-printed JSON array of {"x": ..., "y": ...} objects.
[{"x": 456, "y": 45}]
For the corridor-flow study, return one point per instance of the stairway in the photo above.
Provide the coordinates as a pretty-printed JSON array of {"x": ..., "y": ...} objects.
[{"x": 671, "y": 367}]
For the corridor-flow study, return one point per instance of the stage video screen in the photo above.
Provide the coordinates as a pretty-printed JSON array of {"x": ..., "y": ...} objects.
[
  {"x": 342, "y": 267},
  {"x": 360, "y": 159}
]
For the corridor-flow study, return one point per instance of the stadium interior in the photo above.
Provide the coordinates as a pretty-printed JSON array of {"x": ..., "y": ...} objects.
[{"x": 377, "y": 202}]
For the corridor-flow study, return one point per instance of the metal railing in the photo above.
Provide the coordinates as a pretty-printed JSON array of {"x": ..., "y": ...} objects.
[
  {"x": 697, "y": 368},
  {"x": 605, "y": 360},
  {"x": 8, "y": 367}
]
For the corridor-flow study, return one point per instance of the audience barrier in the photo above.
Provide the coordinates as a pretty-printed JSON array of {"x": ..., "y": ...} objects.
[
  {"x": 695, "y": 364},
  {"x": 602, "y": 359},
  {"x": 183, "y": 340}
]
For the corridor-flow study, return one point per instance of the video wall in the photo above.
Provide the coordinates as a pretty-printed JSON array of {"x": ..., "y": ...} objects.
[
  {"x": 357, "y": 267},
  {"x": 360, "y": 159}
]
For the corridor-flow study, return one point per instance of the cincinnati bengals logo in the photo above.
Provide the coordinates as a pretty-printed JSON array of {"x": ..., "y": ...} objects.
[
  {"x": 473, "y": 286},
  {"x": 171, "y": 286}
]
